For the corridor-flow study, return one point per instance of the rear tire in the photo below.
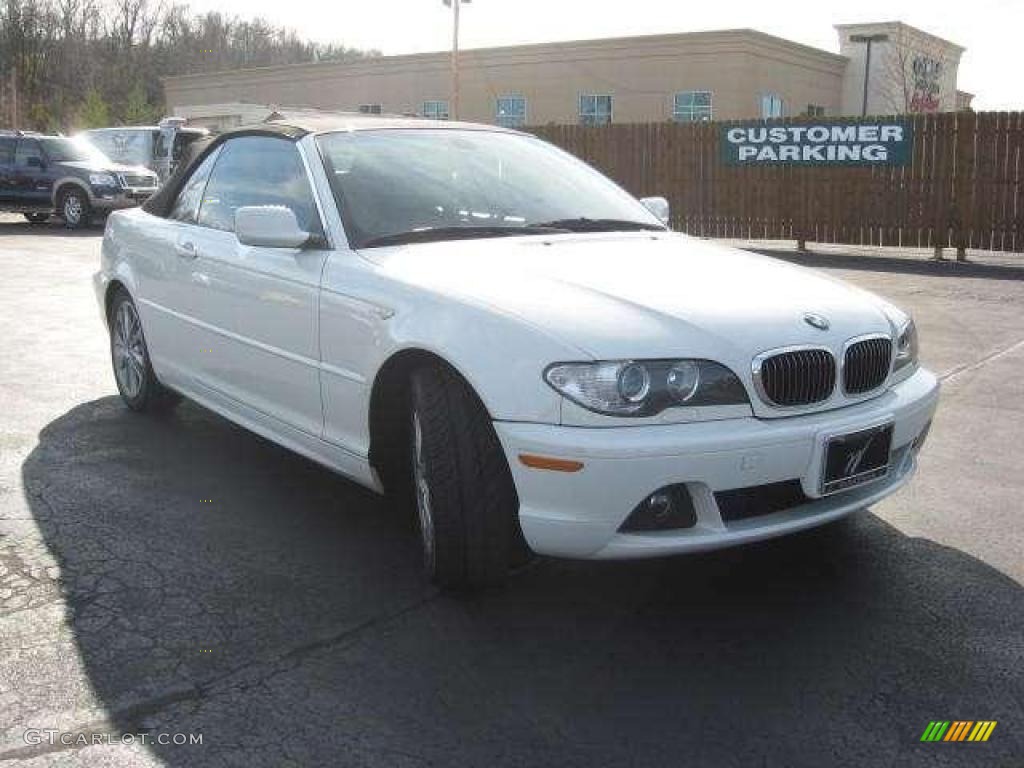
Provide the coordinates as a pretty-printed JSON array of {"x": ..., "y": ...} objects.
[
  {"x": 129, "y": 356},
  {"x": 37, "y": 218},
  {"x": 74, "y": 208},
  {"x": 464, "y": 494}
]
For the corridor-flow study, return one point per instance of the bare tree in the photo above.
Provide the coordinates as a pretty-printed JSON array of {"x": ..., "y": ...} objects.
[{"x": 57, "y": 55}]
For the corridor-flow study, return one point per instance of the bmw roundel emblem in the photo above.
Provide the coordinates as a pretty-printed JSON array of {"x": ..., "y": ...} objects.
[{"x": 816, "y": 321}]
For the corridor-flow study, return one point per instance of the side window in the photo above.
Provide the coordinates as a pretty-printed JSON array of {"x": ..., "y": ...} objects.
[
  {"x": 181, "y": 141},
  {"x": 258, "y": 170},
  {"x": 7, "y": 151},
  {"x": 186, "y": 207},
  {"x": 27, "y": 149}
]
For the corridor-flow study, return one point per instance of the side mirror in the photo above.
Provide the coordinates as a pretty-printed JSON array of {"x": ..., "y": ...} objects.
[
  {"x": 35, "y": 162},
  {"x": 658, "y": 206},
  {"x": 269, "y": 226}
]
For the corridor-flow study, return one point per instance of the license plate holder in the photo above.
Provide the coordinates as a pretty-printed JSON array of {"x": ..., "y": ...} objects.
[{"x": 856, "y": 458}]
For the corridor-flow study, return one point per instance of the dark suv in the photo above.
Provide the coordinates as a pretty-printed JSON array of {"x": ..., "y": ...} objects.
[{"x": 40, "y": 175}]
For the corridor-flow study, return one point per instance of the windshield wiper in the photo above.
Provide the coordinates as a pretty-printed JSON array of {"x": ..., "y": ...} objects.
[
  {"x": 432, "y": 234},
  {"x": 583, "y": 224}
]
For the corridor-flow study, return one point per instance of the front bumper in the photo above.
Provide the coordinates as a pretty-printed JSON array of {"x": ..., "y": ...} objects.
[
  {"x": 103, "y": 199},
  {"x": 578, "y": 514}
]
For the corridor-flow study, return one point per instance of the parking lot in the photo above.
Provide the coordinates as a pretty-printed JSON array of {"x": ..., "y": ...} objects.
[{"x": 180, "y": 575}]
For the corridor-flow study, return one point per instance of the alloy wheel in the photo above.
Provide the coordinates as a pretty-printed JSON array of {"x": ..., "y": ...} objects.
[
  {"x": 129, "y": 350},
  {"x": 422, "y": 488},
  {"x": 72, "y": 209}
]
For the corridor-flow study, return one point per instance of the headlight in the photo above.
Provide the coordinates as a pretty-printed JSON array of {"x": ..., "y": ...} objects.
[
  {"x": 102, "y": 180},
  {"x": 645, "y": 387},
  {"x": 906, "y": 347}
]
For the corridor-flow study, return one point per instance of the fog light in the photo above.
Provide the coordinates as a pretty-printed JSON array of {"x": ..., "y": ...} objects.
[
  {"x": 659, "y": 506},
  {"x": 667, "y": 508}
]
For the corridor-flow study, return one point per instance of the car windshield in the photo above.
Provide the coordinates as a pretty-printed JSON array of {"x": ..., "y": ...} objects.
[
  {"x": 415, "y": 185},
  {"x": 72, "y": 150}
]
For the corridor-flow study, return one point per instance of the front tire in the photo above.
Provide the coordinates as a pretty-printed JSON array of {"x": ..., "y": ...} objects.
[
  {"x": 75, "y": 209},
  {"x": 129, "y": 356},
  {"x": 464, "y": 494}
]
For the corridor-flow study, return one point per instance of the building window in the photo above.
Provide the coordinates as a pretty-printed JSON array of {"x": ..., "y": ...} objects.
[
  {"x": 370, "y": 109},
  {"x": 511, "y": 111},
  {"x": 691, "y": 106},
  {"x": 815, "y": 110},
  {"x": 772, "y": 105},
  {"x": 435, "y": 110},
  {"x": 595, "y": 109}
]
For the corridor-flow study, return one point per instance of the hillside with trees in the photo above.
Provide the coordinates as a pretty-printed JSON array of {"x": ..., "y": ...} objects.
[{"x": 70, "y": 64}]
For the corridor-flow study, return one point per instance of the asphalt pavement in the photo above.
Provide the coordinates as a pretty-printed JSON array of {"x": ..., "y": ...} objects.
[{"x": 178, "y": 575}]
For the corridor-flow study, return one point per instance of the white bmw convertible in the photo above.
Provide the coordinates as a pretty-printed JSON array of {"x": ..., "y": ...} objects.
[{"x": 477, "y": 322}]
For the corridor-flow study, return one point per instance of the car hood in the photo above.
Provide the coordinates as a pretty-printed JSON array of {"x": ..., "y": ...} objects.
[
  {"x": 90, "y": 167},
  {"x": 644, "y": 295}
]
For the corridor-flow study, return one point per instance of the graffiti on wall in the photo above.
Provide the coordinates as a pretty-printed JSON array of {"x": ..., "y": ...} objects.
[{"x": 926, "y": 74}]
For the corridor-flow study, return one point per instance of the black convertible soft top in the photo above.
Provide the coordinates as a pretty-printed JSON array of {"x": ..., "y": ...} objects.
[{"x": 161, "y": 203}]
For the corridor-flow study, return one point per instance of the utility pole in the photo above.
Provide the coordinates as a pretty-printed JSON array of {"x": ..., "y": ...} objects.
[
  {"x": 454, "y": 108},
  {"x": 868, "y": 40}
]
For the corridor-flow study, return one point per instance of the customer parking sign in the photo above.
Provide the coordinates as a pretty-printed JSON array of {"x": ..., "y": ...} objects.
[{"x": 835, "y": 142}]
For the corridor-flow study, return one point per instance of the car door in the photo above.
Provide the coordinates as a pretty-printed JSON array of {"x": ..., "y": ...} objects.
[
  {"x": 254, "y": 310},
  {"x": 166, "y": 292},
  {"x": 33, "y": 179},
  {"x": 7, "y": 144}
]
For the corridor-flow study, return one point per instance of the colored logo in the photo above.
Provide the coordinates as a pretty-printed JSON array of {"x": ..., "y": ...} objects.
[{"x": 958, "y": 730}]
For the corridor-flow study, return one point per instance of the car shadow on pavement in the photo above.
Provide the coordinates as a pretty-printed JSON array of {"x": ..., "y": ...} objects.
[
  {"x": 52, "y": 228},
  {"x": 217, "y": 584}
]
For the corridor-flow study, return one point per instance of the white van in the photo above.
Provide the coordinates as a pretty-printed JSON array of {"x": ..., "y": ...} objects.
[{"x": 146, "y": 145}]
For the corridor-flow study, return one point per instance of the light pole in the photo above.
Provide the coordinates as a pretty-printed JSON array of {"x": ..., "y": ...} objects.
[
  {"x": 868, "y": 39},
  {"x": 454, "y": 5}
]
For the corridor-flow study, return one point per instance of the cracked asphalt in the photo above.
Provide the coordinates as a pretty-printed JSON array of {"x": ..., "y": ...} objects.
[{"x": 286, "y": 622}]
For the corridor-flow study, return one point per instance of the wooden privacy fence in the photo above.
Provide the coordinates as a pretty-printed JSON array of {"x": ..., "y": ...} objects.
[{"x": 961, "y": 187}]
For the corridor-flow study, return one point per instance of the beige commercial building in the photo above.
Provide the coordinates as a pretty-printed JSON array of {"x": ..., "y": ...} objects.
[{"x": 731, "y": 74}]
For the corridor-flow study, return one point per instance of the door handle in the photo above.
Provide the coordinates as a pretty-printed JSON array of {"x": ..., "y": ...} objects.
[{"x": 187, "y": 249}]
